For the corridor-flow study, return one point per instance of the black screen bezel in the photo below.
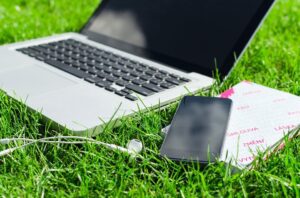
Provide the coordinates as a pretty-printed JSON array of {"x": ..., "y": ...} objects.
[{"x": 177, "y": 63}]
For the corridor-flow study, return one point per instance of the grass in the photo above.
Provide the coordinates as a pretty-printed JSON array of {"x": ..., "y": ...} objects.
[{"x": 273, "y": 59}]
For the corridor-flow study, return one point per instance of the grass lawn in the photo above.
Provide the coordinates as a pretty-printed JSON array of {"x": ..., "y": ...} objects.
[{"x": 273, "y": 59}]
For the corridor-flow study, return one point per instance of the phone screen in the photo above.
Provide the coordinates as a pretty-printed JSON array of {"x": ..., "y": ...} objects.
[{"x": 197, "y": 129}]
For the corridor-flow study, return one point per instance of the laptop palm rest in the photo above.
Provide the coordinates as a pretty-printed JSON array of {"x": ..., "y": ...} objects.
[{"x": 32, "y": 80}]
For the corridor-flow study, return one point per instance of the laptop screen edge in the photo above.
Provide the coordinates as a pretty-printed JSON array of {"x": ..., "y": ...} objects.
[{"x": 227, "y": 66}]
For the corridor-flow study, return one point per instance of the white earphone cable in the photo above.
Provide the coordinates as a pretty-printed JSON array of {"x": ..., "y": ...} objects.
[{"x": 135, "y": 146}]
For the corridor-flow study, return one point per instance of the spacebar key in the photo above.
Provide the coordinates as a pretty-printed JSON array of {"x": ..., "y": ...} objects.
[
  {"x": 139, "y": 90},
  {"x": 67, "y": 68}
]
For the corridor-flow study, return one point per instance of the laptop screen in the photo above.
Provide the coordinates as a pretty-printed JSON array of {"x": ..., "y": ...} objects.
[{"x": 194, "y": 35}]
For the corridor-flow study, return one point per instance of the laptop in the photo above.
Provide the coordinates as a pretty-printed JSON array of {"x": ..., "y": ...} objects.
[{"x": 130, "y": 56}]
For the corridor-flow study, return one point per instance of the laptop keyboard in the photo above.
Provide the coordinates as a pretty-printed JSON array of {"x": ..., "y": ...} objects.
[{"x": 105, "y": 69}]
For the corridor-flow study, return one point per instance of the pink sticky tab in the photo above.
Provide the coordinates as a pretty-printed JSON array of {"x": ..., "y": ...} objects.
[{"x": 227, "y": 93}]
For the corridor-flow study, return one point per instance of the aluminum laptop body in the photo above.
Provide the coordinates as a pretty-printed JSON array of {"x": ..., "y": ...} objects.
[{"x": 175, "y": 42}]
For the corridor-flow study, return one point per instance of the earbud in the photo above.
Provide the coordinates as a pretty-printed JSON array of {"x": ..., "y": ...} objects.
[{"x": 133, "y": 147}]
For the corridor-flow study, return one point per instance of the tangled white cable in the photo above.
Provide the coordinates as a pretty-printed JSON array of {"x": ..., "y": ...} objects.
[{"x": 133, "y": 147}]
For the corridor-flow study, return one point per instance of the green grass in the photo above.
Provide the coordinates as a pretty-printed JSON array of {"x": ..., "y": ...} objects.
[{"x": 273, "y": 59}]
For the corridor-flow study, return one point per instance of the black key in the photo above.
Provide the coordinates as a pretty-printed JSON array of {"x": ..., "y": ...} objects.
[
  {"x": 113, "y": 58},
  {"x": 92, "y": 57},
  {"x": 83, "y": 67},
  {"x": 145, "y": 77},
  {"x": 144, "y": 66},
  {"x": 132, "y": 62},
  {"x": 125, "y": 70},
  {"x": 45, "y": 46},
  {"x": 173, "y": 81},
  {"x": 116, "y": 66},
  {"x": 156, "y": 81},
  {"x": 122, "y": 83},
  {"x": 60, "y": 50},
  {"x": 184, "y": 79},
  {"x": 117, "y": 73},
  {"x": 130, "y": 65},
  {"x": 29, "y": 50},
  {"x": 67, "y": 68},
  {"x": 94, "y": 51},
  {"x": 111, "y": 78},
  {"x": 138, "y": 81},
  {"x": 160, "y": 76},
  {"x": 140, "y": 69},
  {"x": 83, "y": 60},
  {"x": 103, "y": 83},
  {"x": 174, "y": 75},
  {"x": 97, "y": 52},
  {"x": 107, "y": 70},
  {"x": 121, "y": 93},
  {"x": 29, "y": 53},
  {"x": 100, "y": 67},
  {"x": 130, "y": 97},
  {"x": 140, "y": 90},
  {"x": 135, "y": 73},
  {"x": 128, "y": 78},
  {"x": 32, "y": 54},
  {"x": 66, "y": 53},
  {"x": 83, "y": 46},
  {"x": 128, "y": 91},
  {"x": 105, "y": 55},
  {"x": 106, "y": 75},
  {"x": 82, "y": 53},
  {"x": 68, "y": 61},
  {"x": 45, "y": 56},
  {"x": 75, "y": 56},
  {"x": 108, "y": 88},
  {"x": 33, "y": 51},
  {"x": 153, "y": 69},
  {"x": 107, "y": 63},
  {"x": 41, "y": 49},
  {"x": 54, "y": 46},
  {"x": 60, "y": 46},
  {"x": 91, "y": 63},
  {"x": 93, "y": 79},
  {"x": 164, "y": 72},
  {"x": 76, "y": 64},
  {"x": 99, "y": 60},
  {"x": 61, "y": 57},
  {"x": 101, "y": 74},
  {"x": 150, "y": 72},
  {"x": 92, "y": 71},
  {"x": 53, "y": 58},
  {"x": 152, "y": 87},
  {"x": 167, "y": 85},
  {"x": 41, "y": 58},
  {"x": 122, "y": 61}
]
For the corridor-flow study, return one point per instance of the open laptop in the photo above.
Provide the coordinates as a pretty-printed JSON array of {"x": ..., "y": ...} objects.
[{"x": 131, "y": 55}]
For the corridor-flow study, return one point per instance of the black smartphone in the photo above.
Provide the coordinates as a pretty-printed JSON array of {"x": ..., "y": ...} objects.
[{"x": 197, "y": 130}]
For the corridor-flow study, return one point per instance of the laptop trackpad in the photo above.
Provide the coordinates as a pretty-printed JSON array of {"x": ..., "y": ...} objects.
[{"x": 32, "y": 80}]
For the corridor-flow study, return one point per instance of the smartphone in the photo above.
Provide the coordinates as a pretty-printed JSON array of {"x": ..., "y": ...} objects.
[{"x": 197, "y": 130}]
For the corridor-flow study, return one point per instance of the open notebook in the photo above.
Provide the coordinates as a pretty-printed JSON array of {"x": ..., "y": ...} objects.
[{"x": 260, "y": 118}]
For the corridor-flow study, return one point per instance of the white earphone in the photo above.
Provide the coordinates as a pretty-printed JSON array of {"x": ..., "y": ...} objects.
[{"x": 133, "y": 147}]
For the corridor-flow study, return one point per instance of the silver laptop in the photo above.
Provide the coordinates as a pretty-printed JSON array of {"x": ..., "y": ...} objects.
[{"x": 130, "y": 56}]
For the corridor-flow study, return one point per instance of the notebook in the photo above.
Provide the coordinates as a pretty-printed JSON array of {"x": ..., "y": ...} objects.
[{"x": 260, "y": 118}]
